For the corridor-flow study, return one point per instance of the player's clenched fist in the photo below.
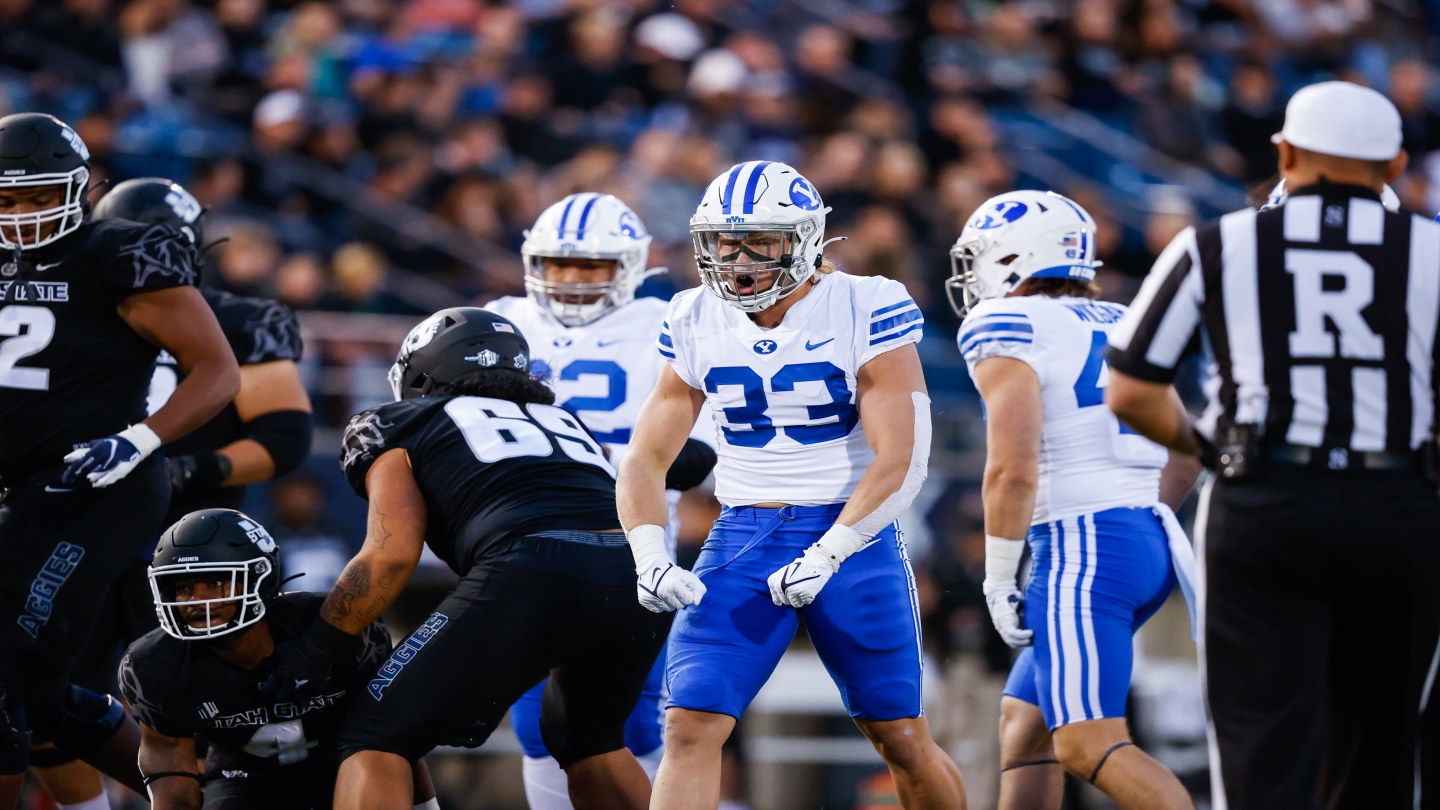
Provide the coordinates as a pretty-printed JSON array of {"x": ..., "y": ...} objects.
[
  {"x": 662, "y": 585},
  {"x": 797, "y": 584}
]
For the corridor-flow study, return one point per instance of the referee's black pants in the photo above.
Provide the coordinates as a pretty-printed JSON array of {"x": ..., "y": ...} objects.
[{"x": 1321, "y": 617}]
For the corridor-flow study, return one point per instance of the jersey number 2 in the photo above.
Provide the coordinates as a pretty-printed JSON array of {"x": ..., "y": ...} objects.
[{"x": 38, "y": 325}]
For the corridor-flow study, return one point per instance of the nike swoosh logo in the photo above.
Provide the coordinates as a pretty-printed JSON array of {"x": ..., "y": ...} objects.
[
  {"x": 49, "y": 488},
  {"x": 786, "y": 582},
  {"x": 43, "y": 267},
  {"x": 299, "y": 682},
  {"x": 810, "y": 347},
  {"x": 603, "y": 343}
]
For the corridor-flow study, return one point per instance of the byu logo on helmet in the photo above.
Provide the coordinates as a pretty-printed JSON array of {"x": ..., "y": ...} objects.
[
  {"x": 803, "y": 195},
  {"x": 630, "y": 225},
  {"x": 1003, "y": 213},
  {"x": 766, "y": 346}
]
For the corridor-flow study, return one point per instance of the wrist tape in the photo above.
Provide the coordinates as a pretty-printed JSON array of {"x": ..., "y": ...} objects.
[
  {"x": 1002, "y": 560},
  {"x": 647, "y": 542}
]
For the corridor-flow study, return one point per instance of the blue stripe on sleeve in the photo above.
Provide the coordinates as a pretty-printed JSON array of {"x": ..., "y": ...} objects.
[
  {"x": 664, "y": 353},
  {"x": 881, "y": 311},
  {"x": 1001, "y": 339},
  {"x": 666, "y": 341},
  {"x": 895, "y": 320},
  {"x": 894, "y": 335},
  {"x": 1001, "y": 326}
]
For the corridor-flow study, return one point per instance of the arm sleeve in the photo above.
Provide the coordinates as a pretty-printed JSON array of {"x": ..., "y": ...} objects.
[
  {"x": 890, "y": 319},
  {"x": 149, "y": 258},
  {"x": 285, "y": 435},
  {"x": 1149, "y": 342}
]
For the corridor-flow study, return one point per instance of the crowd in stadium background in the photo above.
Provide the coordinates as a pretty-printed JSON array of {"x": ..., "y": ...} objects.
[{"x": 383, "y": 157}]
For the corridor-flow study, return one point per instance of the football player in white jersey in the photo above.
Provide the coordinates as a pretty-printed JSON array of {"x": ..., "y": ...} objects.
[
  {"x": 593, "y": 340},
  {"x": 814, "y": 379},
  {"x": 1084, "y": 490}
]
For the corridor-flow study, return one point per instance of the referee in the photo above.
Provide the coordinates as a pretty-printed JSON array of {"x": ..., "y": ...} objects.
[{"x": 1320, "y": 528}]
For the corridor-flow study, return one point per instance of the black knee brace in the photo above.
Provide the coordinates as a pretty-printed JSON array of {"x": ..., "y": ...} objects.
[{"x": 80, "y": 723}]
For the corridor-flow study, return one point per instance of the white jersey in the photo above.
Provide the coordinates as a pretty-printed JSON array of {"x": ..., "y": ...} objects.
[
  {"x": 603, "y": 371},
  {"x": 785, "y": 397},
  {"x": 1089, "y": 462}
]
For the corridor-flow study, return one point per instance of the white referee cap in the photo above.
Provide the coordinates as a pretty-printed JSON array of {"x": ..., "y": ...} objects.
[{"x": 1342, "y": 119}]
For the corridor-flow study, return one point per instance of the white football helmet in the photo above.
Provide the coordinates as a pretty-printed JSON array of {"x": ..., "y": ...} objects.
[
  {"x": 586, "y": 226},
  {"x": 1020, "y": 235},
  {"x": 1278, "y": 196},
  {"x": 759, "y": 217}
]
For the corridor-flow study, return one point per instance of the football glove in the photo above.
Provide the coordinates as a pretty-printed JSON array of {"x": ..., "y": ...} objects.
[
  {"x": 1005, "y": 602},
  {"x": 797, "y": 584},
  {"x": 664, "y": 586},
  {"x": 305, "y": 667},
  {"x": 105, "y": 461}
]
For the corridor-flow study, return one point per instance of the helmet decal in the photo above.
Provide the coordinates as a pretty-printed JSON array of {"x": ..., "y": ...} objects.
[
  {"x": 258, "y": 535},
  {"x": 1002, "y": 214},
  {"x": 803, "y": 195}
]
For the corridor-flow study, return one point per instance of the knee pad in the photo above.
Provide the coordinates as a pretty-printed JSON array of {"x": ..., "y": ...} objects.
[{"x": 81, "y": 722}]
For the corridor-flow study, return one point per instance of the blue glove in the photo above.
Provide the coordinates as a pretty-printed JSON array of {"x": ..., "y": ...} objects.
[{"x": 105, "y": 461}]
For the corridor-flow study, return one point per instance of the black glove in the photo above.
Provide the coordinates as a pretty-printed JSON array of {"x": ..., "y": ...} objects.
[
  {"x": 198, "y": 472},
  {"x": 305, "y": 667}
]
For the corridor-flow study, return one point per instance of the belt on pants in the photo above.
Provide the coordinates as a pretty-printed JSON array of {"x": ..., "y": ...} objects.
[{"x": 1341, "y": 458}]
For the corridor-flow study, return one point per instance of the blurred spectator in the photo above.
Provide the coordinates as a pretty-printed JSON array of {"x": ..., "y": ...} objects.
[
  {"x": 169, "y": 46},
  {"x": 312, "y": 550},
  {"x": 300, "y": 282},
  {"x": 1171, "y": 211},
  {"x": 247, "y": 260},
  {"x": 361, "y": 278},
  {"x": 1092, "y": 60},
  {"x": 1252, "y": 115},
  {"x": 827, "y": 85},
  {"x": 1015, "y": 60},
  {"x": 1410, "y": 90}
]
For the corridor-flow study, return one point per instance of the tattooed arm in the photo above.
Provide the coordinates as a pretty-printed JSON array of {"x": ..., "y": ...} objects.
[{"x": 394, "y": 538}]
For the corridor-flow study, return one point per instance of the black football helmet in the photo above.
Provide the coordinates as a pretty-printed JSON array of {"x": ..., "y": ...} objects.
[
  {"x": 214, "y": 541},
  {"x": 41, "y": 150},
  {"x": 452, "y": 343},
  {"x": 154, "y": 200}
]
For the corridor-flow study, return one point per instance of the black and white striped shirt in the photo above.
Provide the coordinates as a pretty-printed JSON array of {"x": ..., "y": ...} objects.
[{"x": 1319, "y": 316}]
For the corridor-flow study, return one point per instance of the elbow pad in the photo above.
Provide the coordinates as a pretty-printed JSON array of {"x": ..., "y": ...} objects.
[
  {"x": 285, "y": 435},
  {"x": 891, "y": 508},
  {"x": 691, "y": 467}
]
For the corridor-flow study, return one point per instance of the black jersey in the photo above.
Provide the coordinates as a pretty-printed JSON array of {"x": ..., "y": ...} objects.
[
  {"x": 182, "y": 689},
  {"x": 488, "y": 469},
  {"x": 71, "y": 369}
]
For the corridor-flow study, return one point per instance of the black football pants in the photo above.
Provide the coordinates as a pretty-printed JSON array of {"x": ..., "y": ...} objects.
[
  {"x": 60, "y": 549},
  {"x": 1321, "y": 617}
]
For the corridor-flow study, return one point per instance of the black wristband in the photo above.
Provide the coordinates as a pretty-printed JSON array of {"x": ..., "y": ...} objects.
[
  {"x": 154, "y": 777},
  {"x": 1209, "y": 457},
  {"x": 197, "y": 472}
]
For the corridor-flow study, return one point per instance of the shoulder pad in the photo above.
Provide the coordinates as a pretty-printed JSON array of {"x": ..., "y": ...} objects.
[
  {"x": 259, "y": 330},
  {"x": 371, "y": 433}
]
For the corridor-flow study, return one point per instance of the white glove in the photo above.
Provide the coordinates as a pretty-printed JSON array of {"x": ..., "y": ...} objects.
[
  {"x": 662, "y": 585},
  {"x": 1004, "y": 601},
  {"x": 665, "y": 586},
  {"x": 797, "y": 584},
  {"x": 1002, "y": 564},
  {"x": 105, "y": 461}
]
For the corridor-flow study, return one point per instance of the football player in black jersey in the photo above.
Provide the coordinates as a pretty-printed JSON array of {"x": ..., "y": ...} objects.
[
  {"x": 85, "y": 308},
  {"x": 222, "y": 618},
  {"x": 517, "y": 497},
  {"x": 264, "y": 433}
]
